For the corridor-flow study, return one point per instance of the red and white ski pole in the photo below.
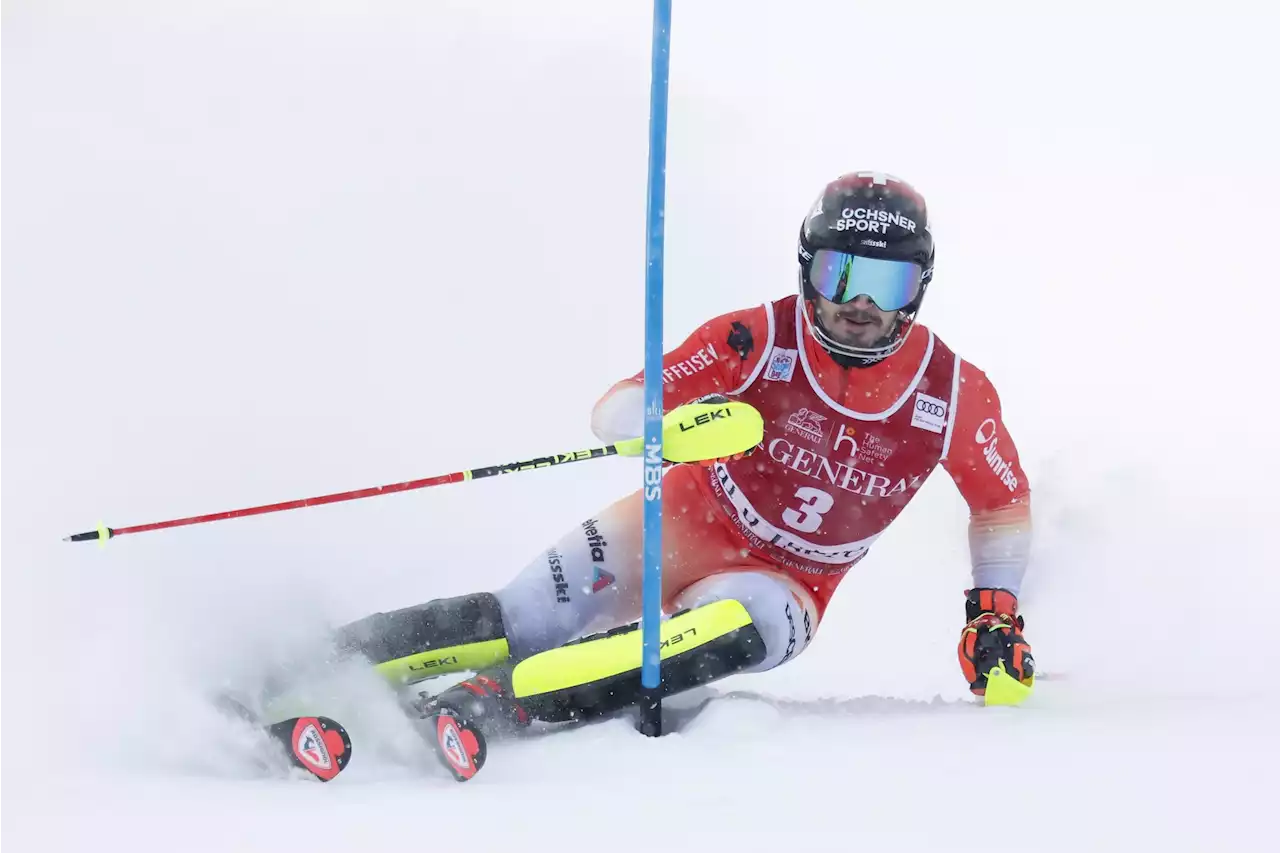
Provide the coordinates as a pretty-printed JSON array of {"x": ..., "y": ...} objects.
[{"x": 691, "y": 433}]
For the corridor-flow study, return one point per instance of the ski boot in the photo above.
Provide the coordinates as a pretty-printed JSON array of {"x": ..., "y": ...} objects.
[{"x": 461, "y": 716}]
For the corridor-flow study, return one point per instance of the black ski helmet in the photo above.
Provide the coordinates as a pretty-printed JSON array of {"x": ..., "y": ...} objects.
[{"x": 867, "y": 215}]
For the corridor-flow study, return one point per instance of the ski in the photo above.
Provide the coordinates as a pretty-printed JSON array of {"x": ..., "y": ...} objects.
[
  {"x": 319, "y": 745},
  {"x": 458, "y": 743},
  {"x": 322, "y": 747}
]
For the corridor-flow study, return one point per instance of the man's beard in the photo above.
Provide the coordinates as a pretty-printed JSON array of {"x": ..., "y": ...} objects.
[{"x": 856, "y": 337}]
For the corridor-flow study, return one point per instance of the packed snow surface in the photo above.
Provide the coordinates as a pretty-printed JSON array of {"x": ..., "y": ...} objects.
[{"x": 255, "y": 252}]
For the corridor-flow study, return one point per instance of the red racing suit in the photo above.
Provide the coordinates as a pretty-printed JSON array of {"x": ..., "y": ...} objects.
[{"x": 844, "y": 449}]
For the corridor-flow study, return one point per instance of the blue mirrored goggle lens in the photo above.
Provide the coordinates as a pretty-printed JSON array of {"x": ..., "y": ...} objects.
[{"x": 841, "y": 277}]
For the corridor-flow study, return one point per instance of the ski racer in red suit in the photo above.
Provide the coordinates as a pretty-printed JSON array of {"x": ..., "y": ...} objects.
[{"x": 861, "y": 403}]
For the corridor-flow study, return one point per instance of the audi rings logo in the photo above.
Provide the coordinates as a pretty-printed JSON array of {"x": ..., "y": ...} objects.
[
  {"x": 930, "y": 413},
  {"x": 929, "y": 407}
]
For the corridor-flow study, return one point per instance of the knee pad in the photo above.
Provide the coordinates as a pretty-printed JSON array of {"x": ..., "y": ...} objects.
[
  {"x": 442, "y": 636},
  {"x": 782, "y": 610}
]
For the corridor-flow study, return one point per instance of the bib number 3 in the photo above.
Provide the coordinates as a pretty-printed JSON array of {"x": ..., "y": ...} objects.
[{"x": 808, "y": 516}]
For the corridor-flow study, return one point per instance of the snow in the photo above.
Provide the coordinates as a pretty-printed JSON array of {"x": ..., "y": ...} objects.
[{"x": 256, "y": 253}]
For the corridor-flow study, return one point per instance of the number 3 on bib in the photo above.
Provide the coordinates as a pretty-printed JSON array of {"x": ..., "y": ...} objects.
[{"x": 808, "y": 516}]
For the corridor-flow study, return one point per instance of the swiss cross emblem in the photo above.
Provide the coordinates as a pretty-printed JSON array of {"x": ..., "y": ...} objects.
[{"x": 880, "y": 178}]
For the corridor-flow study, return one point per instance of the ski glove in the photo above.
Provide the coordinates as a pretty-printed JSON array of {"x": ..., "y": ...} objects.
[
  {"x": 707, "y": 463},
  {"x": 993, "y": 634}
]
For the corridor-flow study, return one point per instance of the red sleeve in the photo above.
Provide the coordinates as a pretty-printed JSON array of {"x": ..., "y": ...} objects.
[
  {"x": 983, "y": 461},
  {"x": 717, "y": 358},
  {"x": 982, "y": 458}
]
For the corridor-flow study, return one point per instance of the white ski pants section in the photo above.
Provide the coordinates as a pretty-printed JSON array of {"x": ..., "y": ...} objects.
[{"x": 590, "y": 580}]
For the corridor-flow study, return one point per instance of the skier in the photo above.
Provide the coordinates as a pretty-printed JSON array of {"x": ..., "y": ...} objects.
[{"x": 860, "y": 402}]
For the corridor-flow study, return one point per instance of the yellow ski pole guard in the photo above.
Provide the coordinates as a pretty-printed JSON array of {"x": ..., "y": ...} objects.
[
  {"x": 1004, "y": 689},
  {"x": 699, "y": 431}
]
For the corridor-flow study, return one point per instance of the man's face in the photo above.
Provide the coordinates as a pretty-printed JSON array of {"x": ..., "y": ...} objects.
[{"x": 857, "y": 324}]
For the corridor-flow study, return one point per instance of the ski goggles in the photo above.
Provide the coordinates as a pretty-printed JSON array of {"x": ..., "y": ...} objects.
[{"x": 840, "y": 277}]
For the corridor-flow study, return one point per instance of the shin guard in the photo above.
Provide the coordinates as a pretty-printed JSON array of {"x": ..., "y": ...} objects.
[
  {"x": 600, "y": 674},
  {"x": 439, "y": 637}
]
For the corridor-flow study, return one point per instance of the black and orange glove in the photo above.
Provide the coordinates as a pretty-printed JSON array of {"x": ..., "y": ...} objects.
[
  {"x": 992, "y": 634},
  {"x": 708, "y": 463}
]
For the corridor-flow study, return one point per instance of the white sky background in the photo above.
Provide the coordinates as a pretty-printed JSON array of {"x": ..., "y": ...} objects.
[{"x": 255, "y": 253}]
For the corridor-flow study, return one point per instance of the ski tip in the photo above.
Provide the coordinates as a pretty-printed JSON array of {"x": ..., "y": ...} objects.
[
  {"x": 459, "y": 744},
  {"x": 319, "y": 745}
]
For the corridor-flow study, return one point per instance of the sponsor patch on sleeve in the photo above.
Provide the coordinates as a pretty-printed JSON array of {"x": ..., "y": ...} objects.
[
  {"x": 930, "y": 413},
  {"x": 782, "y": 364}
]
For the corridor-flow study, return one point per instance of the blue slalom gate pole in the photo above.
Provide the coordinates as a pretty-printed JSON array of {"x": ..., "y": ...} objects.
[{"x": 650, "y": 665}]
